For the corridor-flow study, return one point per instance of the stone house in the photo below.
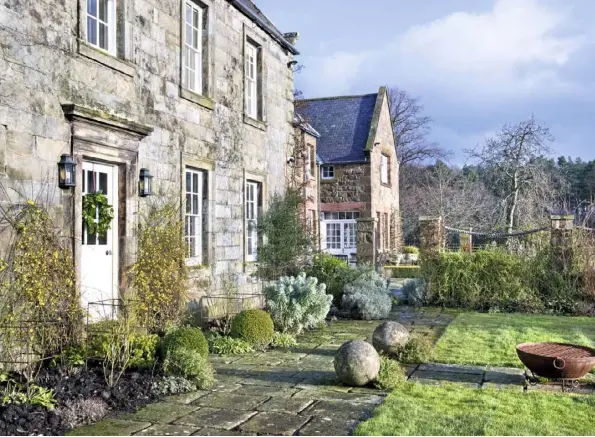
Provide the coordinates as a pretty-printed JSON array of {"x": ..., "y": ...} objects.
[
  {"x": 359, "y": 173},
  {"x": 198, "y": 92},
  {"x": 303, "y": 168}
]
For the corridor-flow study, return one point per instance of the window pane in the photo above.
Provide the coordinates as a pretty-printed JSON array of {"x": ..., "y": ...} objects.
[
  {"x": 188, "y": 203},
  {"x": 188, "y": 34},
  {"x": 194, "y": 38},
  {"x": 103, "y": 36},
  {"x": 188, "y": 179},
  {"x": 103, "y": 10},
  {"x": 188, "y": 14},
  {"x": 195, "y": 18},
  {"x": 103, "y": 183},
  {"x": 90, "y": 182},
  {"x": 92, "y": 7},
  {"x": 92, "y": 30},
  {"x": 91, "y": 239},
  {"x": 195, "y": 183},
  {"x": 195, "y": 204}
]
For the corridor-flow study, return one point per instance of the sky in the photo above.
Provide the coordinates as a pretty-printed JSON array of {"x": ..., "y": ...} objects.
[{"x": 475, "y": 64}]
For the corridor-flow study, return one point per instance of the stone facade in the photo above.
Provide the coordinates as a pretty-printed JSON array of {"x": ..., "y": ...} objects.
[
  {"x": 60, "y": 95},
  {"x": 349, "y": 190},
  {"x": 303, "y": 173}
]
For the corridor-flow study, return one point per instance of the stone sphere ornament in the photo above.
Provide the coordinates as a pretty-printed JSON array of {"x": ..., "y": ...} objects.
[
  {"x": 357, "y": 363},
  {"x": 388, "y": 336}
]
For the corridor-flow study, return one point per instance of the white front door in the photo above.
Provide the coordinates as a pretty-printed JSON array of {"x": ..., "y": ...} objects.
[{"x": 99, "y": 253}]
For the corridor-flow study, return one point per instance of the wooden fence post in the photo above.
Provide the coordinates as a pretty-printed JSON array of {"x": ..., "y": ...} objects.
[{"x": 561, "y": 240}]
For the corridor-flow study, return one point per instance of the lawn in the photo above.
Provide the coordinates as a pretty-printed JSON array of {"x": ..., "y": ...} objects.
[
  {"x": 450, "y": 409},
  {"x": 490, "y": 339}
]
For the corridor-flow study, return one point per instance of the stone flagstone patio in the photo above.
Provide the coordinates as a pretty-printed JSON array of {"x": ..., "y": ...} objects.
[
  {"x": 281, "y": 392},
  {"x": 295, "y": 392}
]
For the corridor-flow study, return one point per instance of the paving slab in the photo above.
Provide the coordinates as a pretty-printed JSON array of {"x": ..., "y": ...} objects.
[
  {"x": 326, "y": 426},
  {"x": 337, "y": 410},
  {"x": 161, "y": 412},
  {"x": 289, "y": 405},
  {"x": 160, "y": 429},
  {"x": 186, "y": 398},
  {"x": 271, "y": 423},
  {"x": 452, "y": 368},
  {"x": 215, "y": 431},
  {"x": 225, "y": 419},
  {"x": 473, "y": 378},
  {"x": 330, "y": 395},
  {"x": 111, "y": 427},
  {"x": 263, "y": 390},
  {"x": 504, "y": 377},
  {"x": 231, "y": 401}
]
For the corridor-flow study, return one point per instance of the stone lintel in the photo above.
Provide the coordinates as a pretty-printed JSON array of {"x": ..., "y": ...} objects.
[{"x": 75, "y": 112}]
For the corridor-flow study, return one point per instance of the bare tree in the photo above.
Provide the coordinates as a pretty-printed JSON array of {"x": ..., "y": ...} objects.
[
  {"x": 514, "y": 160},
  {"x": 411, "y": 128},
  {"x": 459, "y": 197}
]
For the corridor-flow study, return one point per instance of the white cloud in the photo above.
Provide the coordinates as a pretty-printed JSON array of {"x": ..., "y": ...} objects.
[{"x": 515, "y": 48}]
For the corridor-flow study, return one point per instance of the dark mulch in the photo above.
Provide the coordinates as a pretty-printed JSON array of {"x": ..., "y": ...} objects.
[{"x": 132, "y": 391}]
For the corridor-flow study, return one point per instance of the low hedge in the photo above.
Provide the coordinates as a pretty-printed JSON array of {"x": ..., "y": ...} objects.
[
  {"x": 494, "y": 280},
  {"x": 402, "y": 272}
]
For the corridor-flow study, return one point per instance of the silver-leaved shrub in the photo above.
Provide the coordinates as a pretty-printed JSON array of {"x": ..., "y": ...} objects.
[
  {"x": 367, "y": 297},
  {"x": 297, "y": 303}
]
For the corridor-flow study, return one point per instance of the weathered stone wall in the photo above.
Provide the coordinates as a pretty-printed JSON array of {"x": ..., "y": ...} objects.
[
  {"x": 44, "y": 64},
  {"x": 348, "y": 191},
  {"x": 385, "y": 197},
  {"x": 303, "y": 173}
]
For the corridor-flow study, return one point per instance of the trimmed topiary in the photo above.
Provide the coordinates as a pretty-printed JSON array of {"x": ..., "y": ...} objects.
[
  {"x": 185, "y": 337},
  {"x": 254, "y": 326}
]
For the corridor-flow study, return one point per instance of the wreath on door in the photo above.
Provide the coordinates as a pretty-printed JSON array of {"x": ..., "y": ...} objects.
[{"x": 97, "y": 213}]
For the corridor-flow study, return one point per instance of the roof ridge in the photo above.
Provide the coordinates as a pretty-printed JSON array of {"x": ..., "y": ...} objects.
[{"x": 339, "y": 97}]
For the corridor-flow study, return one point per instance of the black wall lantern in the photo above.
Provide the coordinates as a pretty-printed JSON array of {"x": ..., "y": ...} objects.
[
  {"x": 66, "y": 172},
  {"x": 145, "y": 183}
]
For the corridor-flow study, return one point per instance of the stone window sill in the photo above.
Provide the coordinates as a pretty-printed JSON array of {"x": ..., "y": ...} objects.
[
  {"x": 106, "y": 59},
  {"x": 327, "y": 180},
  {"x": 199, "y": 99},
  {"x": 255, "y": 123}
]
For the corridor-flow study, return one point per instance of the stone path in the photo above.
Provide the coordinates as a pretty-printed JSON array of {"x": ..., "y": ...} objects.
[
  {"x": 281, "y": 392},
  {"x": 295, "y": 392}
]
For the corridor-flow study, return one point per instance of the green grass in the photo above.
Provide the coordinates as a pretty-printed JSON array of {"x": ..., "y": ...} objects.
[
  {"x": 491, "y": 339},
  {"x": 450, "y": 409}
]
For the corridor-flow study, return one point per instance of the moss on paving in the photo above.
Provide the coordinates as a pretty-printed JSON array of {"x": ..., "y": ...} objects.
[
  {"x": 450, "y": 409},
  {"x": 491, "y": 339}
]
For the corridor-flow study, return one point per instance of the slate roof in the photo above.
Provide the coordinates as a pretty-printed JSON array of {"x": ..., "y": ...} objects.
[
  {"x": 248, "y": 8},
  {"x": 343, "y": 124}
]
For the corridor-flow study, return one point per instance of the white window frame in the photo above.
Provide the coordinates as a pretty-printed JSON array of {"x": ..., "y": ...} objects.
[
  {"x": 252, "y": 201},
  {"x": 93, "y": 21},
  {"x": 251, "y": 79},
  {"x": 327, "y": 172},
  {"x": 193, "y": 198},
  {"x": 192, "y": 75},
  {"x": 384, "y": 161}
]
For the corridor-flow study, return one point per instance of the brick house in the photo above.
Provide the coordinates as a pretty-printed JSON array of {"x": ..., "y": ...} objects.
[
  {"x": 199, "y": 92},
  {"x": 359, "y": 170}
]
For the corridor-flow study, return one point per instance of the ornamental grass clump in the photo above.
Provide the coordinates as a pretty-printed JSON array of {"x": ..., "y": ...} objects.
[
  {"x": 255, "y": 327},
  {"x": 159, "y": 273},
  {"x": 297, "y": 303}
]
